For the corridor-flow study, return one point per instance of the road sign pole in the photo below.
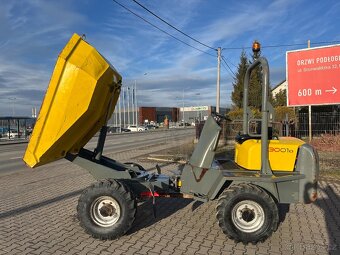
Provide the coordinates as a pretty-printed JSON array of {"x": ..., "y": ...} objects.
[
  {"x": 309, "y": 111},
  {"x": 310, "y": 122}
]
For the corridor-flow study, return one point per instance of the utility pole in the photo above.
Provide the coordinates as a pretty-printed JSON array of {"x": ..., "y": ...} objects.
[{"x": 218, "y": 79}]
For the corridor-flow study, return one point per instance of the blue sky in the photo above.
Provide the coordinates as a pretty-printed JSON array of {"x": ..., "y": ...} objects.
[{"x": 33, "y": 32}]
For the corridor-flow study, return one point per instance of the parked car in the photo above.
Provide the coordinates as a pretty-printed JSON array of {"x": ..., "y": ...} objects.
[
  {"x": 135, "y": 128},
  {"x": 12, "y": 134},
  {"x": 150, "y": 126},
  {"x": 186, "y": 124},
  {"x": 112, "y": 130}
]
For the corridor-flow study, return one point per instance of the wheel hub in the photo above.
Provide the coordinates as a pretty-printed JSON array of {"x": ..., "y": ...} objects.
[
  {"x": 105, "y": 211},
  {"x": 248, "y": 216}
]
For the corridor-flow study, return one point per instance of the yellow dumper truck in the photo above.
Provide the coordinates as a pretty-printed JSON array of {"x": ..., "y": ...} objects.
[{"x": 266, "y": 171}]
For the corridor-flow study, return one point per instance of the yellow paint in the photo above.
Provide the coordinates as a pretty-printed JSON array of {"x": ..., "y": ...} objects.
[
  {"x": 76, "y": 103},
  {"x": 282, "y": 154}
]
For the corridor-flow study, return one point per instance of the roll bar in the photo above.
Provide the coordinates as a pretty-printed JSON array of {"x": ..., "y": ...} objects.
[{"x": 266, "y": 107}]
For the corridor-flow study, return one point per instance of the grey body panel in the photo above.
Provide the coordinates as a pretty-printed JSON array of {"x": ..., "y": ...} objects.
[
  {"x": 204, "y": 152},
  {"x": 198, "y": 178},
  {"x": 308, "y": 165},
  {"x": 105, "y": 168}
]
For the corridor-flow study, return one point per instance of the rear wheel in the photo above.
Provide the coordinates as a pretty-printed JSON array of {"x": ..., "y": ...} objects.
[
  {"x": 247, "y": 213},
  {"x": 106, "y": 210}
]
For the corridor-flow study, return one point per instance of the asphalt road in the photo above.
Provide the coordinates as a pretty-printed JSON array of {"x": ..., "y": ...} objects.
[{"x": 11, "y": 154}]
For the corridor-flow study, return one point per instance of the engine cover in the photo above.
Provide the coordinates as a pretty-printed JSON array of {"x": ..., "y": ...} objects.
[{"x": 282, "y": 153}]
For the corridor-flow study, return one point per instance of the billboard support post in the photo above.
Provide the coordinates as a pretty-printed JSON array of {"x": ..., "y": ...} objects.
[
  {"x": 309, "y": 110},
  {"x": 310, "y": 122}
]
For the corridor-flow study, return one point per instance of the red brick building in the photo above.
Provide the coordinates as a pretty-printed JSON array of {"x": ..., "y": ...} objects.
[{"x": 157, "y": 114}]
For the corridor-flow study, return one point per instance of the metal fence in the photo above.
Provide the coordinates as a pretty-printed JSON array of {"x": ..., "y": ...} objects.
[
  {"x": 325, "y": 134},
  {"x": 322, "y": 123}
]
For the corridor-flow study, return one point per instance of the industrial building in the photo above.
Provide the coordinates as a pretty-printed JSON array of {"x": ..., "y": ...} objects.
[
  {"x": 158, "y": 114},
  {"x": 197, "y": 113}
]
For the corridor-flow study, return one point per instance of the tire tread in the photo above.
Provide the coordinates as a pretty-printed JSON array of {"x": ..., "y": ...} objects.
[
  {"x": 234, "y": 191},
  {"x": 106, "y": 185}
]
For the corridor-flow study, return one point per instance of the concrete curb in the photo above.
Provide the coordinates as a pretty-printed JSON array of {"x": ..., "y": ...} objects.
[{"x": 13, "y": 142}]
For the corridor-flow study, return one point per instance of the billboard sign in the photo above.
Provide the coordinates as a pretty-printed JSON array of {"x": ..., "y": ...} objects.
[
  {"x": 313, "y": 76},
  {"x": 195, "y": 108}
]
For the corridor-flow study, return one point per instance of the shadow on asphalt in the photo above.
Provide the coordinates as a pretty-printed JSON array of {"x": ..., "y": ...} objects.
[
  {"x": 34, "y": 206},
  {"x": 165, "y": 207},
  {"x": 283, "y": 210},
  {"x": 195, "y": 205},
  {"x": 330, "y": 207}
]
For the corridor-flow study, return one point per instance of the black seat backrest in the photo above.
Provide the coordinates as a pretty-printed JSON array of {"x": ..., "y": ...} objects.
[{"x": 241, "y": 138}]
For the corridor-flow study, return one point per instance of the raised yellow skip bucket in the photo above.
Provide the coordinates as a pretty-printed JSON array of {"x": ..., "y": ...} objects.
[{"x": 83, "y": 91}]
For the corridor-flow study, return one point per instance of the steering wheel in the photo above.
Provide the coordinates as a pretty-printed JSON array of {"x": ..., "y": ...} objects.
[{"x": 218, "y": 117}]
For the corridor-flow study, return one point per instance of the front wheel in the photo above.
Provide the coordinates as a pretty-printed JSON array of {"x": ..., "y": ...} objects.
[
  {"x": 247, "y": 213},
  {"x": 106, "y": 210}
]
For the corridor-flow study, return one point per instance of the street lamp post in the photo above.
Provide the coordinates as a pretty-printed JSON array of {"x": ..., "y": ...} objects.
[
  {"x": 178, "y": 106},
  {"x": 198, "y": 106},
  {"x": 11, "y": 103},
  {"x": 183, "y": 110},
  {"x": 134, "y": 95},
  {"x": 136, "y": 102},
  {"x": 128, "y": 104},
  {"x": 124, "y": 109}
]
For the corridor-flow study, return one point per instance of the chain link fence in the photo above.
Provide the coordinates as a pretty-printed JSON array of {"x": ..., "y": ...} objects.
[{"x": 325, "y": 135}]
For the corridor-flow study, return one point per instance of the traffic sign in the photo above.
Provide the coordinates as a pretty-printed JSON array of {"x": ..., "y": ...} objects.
[{"x": 313, "y": 76}]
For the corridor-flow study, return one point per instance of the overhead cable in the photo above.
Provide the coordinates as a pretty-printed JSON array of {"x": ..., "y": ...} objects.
[
  {"x": 224, "y": 60},
  {"x": 178, "y": 30},
  {"x": 280, "y": 45},
  {"x": 161, "y": 29}
]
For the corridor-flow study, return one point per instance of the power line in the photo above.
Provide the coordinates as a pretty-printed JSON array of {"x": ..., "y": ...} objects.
[
  {"x": 297, "y": 44},
  {"x": 280, "y": 45},
  {"x": 178, "y": 30},
  {"x": 325, "y": 42},
  {"x": 161, "y": 29},
  {"x": 230, "y": 63},
  {"x": 224, "y": 60},
  {"x": 228, "y": 71}
]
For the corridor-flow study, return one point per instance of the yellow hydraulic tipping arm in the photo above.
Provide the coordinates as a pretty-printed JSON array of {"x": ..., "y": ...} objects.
[{"x": 81, "y": 96}]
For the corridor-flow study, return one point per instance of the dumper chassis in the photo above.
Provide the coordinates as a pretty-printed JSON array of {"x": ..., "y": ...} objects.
[{"x": 247, "y": 199}]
